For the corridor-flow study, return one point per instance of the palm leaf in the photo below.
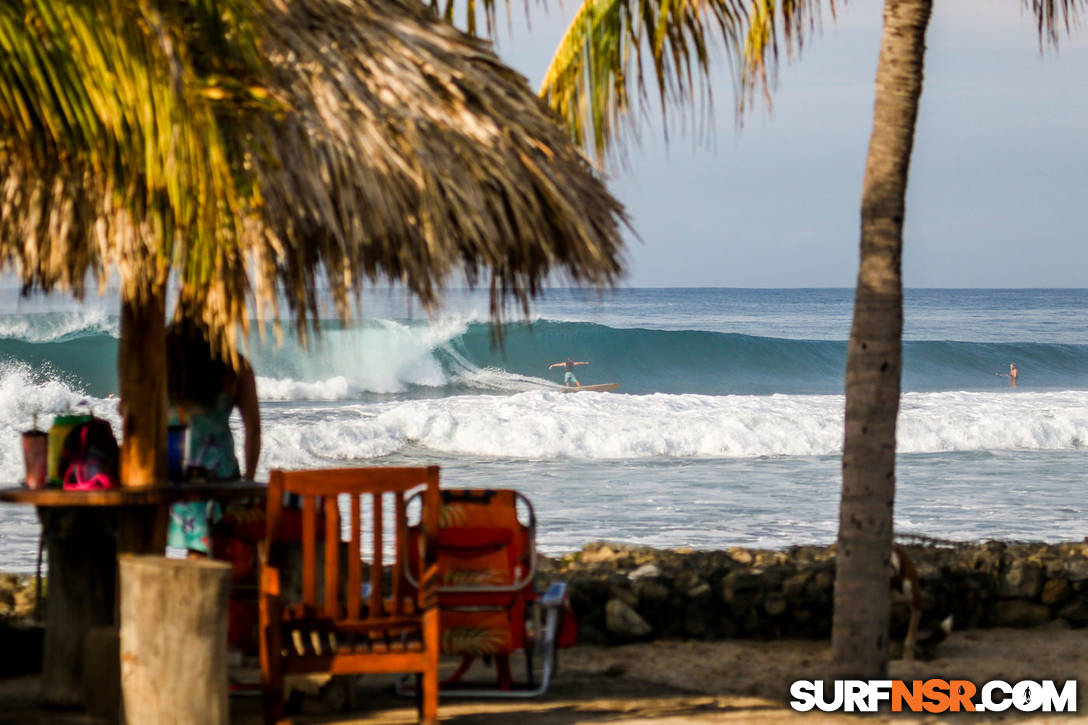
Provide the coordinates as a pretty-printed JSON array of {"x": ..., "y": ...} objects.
[{"x": 601, "y": 63}]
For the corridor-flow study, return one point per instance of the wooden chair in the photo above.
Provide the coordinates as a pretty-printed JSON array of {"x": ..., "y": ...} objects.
[{"x": 392, "y": 628}]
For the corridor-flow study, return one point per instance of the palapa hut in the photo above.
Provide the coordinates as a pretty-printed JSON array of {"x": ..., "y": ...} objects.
[{"x": 253, "y": 150}]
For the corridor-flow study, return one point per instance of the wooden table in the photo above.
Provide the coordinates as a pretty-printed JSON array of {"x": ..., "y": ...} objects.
[{"x": 84, "y": 532}]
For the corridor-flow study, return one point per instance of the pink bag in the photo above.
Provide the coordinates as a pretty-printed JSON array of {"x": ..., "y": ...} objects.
[{"x": 90, "y": 457}]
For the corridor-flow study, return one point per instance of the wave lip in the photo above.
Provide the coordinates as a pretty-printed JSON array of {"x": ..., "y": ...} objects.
[{"x": 59, "y": 326}]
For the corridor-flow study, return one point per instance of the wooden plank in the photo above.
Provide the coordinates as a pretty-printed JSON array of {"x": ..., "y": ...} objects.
[
  {"x": 151, "y": 496},
  {"x": 377, "y": 608},
  {"x": 355, "y": 562},
  {"x": 357, "y": 480},
  {"x": 347, "y": 664},
  {"x": 309, "y": 551},
  {"x": 400, "y": 543},
  {"x": 332, "y": 557}
]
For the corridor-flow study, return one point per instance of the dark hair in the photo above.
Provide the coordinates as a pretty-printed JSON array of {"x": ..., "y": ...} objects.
[{"x": 196, "y": 374}]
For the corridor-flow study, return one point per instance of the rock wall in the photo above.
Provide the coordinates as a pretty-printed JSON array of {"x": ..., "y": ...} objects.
[{"x": 626, "y": 593}]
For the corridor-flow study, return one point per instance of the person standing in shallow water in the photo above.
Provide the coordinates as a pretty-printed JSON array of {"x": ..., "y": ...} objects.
[
  {"x": 204, "y": 389},
  {"x": 568, "y": 375}
]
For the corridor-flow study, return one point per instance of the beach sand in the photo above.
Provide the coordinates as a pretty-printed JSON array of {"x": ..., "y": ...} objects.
[{"x": 736, "y": 681}]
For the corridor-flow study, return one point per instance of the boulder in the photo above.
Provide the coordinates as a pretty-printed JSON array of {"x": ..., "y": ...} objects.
[
  {"x": 774, "y": 604},
  {"x": 1020, "y": 613},
  {"x": 646, "y": 571},
  {"x": 1076, "y": 569},
  {"x": 1076, "y": 613},
  {"x": 1023, "y": 580},
  {"x": 624, "y": 622},
  {"x": 1054, "y": 591}
]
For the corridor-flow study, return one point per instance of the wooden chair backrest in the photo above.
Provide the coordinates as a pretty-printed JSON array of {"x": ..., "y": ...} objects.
[{"x": 321, "y": 488}]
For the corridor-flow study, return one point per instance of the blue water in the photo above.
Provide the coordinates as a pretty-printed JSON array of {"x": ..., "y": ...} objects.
[{"x": 726, "y": 429}]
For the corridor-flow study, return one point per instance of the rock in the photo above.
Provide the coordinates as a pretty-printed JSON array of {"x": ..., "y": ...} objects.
[
  {"x": 741, "y": 556},
  {"x": 701, "y": 590},
  {"x": 627, "y": 596},
  {"x": 1020, "y": 613},
  {"x": 1054, "y": 591},
  {"x": 1023, "y": 580},
  {"x": 818, "y": 589},
  {"x": 794, "y": 587},
  {"x": 1077, "y": 569},
  {"x": 737, "y": 583},
  {"x": 623, "y": 621},
  {"x": 598, "y": 551},
  {"x": 645, "y": 571},
  {"x": 742, "y": 592},
  {"x": 1076, "y": 613},
  {"x": 651, "y": 591},
  {"x": 774, "y": 604},
  {"x": 695, "y": 624}
]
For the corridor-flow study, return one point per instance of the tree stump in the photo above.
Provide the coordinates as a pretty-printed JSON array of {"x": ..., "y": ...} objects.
[{"x": 174, "y": 640}]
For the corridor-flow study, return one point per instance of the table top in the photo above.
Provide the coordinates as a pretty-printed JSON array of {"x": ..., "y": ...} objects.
[{"x": 147, "y": 496}]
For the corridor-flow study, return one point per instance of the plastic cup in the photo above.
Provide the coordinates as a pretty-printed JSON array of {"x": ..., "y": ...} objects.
[{"x": 36, "y": 456}]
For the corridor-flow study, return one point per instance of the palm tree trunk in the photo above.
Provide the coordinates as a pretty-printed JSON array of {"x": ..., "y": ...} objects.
[
  {"x": 142, "y": 372},
  {"x": 874, "y": 356}
]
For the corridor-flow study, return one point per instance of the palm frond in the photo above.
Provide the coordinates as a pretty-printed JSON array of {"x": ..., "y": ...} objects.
[
  {"x": 1054, "y": 16},
  {"x": 599, "y": 65}
]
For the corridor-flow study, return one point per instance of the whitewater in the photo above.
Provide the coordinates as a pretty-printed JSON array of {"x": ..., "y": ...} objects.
[{"x": 727, "y": 428}]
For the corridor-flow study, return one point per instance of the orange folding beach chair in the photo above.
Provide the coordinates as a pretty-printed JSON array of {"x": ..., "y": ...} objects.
[{"x": 489, "y": 606}]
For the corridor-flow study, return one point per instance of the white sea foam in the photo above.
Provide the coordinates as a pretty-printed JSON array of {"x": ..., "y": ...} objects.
[
  {"x": 594, "y": 426},
  {"x": 23, "y": 395},
  {"x": 546, "y": 425}
]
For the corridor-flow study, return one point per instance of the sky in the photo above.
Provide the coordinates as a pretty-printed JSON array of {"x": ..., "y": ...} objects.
[{"x": 998, "y": 192}]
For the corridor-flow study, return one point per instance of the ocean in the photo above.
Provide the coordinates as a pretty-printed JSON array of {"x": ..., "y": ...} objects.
[{"x": 726, "y": 430}]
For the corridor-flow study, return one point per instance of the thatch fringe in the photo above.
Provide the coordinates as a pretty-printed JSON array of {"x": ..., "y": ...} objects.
[{"x": 376, "y": 143}]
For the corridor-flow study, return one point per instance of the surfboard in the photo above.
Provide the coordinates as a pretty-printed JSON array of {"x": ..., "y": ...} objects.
[{"x": 603, "y": 387}]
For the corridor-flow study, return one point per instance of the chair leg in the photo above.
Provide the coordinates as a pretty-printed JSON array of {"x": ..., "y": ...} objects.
[
  {"x": 428, "y": 713},
  {"x": 502, "y": 670},
  {"x": 274, "y": 711},
  {"x": 271, "y": 664}
]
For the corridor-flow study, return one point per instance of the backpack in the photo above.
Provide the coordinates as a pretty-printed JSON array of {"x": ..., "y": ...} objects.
[{"x": 89, "y": 459}]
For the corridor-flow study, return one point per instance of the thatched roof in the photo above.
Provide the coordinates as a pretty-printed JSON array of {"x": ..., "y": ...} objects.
[{"x": 377, "y": 142}]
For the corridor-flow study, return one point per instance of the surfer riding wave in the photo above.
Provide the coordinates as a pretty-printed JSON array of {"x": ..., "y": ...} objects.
[{"x": 568, "y": 376}]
